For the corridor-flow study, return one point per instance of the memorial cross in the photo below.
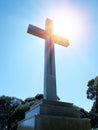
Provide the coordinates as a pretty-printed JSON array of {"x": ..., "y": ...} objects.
[{"x": 49, "y": 63}]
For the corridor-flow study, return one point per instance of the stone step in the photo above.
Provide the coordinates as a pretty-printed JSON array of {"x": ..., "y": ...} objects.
[
  {"x": 43, "y": 122},
  {"x": 46, "y": 107}
]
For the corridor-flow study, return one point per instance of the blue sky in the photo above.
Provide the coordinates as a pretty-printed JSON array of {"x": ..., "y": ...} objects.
[{"x": 22, "y": 55}]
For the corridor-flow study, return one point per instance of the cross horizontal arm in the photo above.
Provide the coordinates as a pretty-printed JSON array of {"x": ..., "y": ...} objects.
[
  {"x": 60, "y": 40},
  {"x": 43, "y": 34},
  {"x": 36, "y": 31}
]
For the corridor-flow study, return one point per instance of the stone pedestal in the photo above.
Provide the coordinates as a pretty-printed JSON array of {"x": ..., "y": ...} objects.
[{"x": 52, "y": 115}]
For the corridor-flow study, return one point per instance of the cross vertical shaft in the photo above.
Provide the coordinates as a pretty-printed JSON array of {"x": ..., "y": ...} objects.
[{"x": 49, "y": 64}]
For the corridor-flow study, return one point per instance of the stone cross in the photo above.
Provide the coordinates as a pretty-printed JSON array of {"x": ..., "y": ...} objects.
[{"x": 50, "y": 92}]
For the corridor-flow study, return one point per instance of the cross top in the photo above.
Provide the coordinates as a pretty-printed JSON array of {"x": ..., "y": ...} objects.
[
  {"x": 50, "y": 92},
  {"x": 49, "y": 26}
]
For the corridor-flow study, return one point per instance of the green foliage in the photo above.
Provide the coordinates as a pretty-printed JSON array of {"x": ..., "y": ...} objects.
[
  {"x": 92, "y": 93},
  {"x": 19, "y": 112},
  {"x": 39, "y": 96},
  {"x": 13, "y": 110},
  {"x": 7, "y": 107}
]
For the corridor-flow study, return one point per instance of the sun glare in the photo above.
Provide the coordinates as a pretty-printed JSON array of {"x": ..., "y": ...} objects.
[
  {"x": 69, "y": 26},
  {"x": 69, "y": 23}
]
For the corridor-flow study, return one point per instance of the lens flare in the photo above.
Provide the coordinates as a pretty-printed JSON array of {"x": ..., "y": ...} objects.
[{"x": 69, "y": 22}]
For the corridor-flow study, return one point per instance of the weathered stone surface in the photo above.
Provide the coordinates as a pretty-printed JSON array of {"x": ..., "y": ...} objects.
[
  {"x": 54, "y": 108},
  {"x": 53, "y": 115},
  {"x": 43, "y": 122}
]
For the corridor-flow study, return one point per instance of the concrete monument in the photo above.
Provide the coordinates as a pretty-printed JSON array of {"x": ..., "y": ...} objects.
[{"x": 50, "y": 114}]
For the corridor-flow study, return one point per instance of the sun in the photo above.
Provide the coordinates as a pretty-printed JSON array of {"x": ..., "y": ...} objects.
[
  {"x": 69, "y": 26},
  {"x": 68, "y": 23}
]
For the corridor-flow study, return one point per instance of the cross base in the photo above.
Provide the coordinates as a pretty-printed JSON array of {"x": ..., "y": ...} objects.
[
  {"x": 52, "y": 115},
  {"x": 43, "y": 122}
]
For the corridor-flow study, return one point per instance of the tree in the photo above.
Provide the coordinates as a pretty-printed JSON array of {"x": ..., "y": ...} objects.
[
  {"x": 7, "y": 106},
  {"x": 13, "y": 110},
  {"x": 92, "y": 93}
]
